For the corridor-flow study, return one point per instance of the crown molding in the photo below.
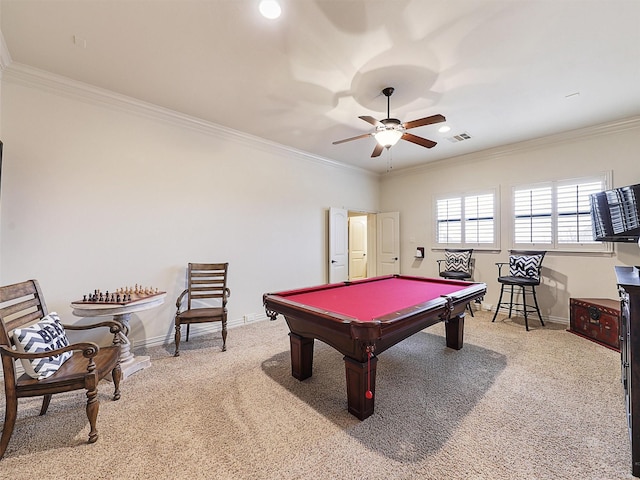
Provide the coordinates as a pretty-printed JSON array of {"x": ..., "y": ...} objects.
[
  {"x": 608, "y": 128},
  {"x": 35, "y": 78}
]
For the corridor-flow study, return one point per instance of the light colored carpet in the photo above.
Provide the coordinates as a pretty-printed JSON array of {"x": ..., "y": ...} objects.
[{"x": 544, "y": 404}]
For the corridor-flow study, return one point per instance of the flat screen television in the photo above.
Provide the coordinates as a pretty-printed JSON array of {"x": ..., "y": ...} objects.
[{"x": 615, "y": 214}]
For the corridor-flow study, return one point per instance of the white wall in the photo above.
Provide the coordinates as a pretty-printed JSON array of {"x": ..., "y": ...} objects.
[
  {"x": 611, "y": 147},
  {"x": 100, "y": 193}
]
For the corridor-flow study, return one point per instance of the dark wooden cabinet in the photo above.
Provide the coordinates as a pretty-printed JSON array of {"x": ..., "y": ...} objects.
[
  {"x": 597, "y": 319},
  {"x": 629, "y": 288}
]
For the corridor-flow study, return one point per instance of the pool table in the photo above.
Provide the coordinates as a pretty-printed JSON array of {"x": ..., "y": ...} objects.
[{"x": 363, "y": 318}]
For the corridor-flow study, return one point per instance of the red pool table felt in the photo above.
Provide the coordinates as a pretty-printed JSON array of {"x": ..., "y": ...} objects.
[{"x": 373, "y": 299}]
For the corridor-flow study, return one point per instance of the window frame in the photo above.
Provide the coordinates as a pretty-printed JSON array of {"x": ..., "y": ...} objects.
[
  {"x": 462, "y": 197},
  {"x": 555, "y": 245}
]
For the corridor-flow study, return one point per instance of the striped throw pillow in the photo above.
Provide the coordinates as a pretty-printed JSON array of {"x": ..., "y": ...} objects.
[
  {"x": 48, "y": 334},
  {"x": 457, "y": 261},
  {"x": 526, "y": 266}
]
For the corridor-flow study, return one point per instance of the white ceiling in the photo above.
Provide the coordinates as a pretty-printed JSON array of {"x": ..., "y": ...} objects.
[{"x": 500, "y": 71}]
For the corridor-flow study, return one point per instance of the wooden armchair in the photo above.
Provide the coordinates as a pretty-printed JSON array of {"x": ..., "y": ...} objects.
[
  {"x": 22, "y": 308},
  {"x": 205, "y": 281}
]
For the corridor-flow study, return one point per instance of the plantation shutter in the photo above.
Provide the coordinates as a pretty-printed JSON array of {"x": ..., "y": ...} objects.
[
  {"x": 449, "y": 223},
  {"x": 533, "y": 210},
  {"x": 479, "y": 219}
]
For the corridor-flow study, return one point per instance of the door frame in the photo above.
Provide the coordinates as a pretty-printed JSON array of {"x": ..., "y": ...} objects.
[{"x": 372, "y": 241}]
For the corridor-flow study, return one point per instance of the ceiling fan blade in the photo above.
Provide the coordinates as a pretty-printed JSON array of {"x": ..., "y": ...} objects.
[
  {"x": 423, "y": 121},
  {"x": 352, "y": 138},
  {"x": 377, "y": 151},
  {"x": 418, "y": 140},
  {"x": 372, "y": 120}
]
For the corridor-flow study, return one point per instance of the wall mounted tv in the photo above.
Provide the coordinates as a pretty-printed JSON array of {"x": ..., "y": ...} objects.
[{"x": 615, "y": 214}]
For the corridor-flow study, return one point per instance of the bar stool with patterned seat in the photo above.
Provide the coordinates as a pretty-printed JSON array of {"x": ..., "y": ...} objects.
[
  {"x": 457, "y": 266},
  {"x": 524, "y": 272}
]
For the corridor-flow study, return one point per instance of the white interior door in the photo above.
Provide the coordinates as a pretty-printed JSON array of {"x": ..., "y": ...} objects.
[
  {"x": 357, "y": 247},
  {"x": 338, "y": 245},
  {"x": 388, "y": 243}
]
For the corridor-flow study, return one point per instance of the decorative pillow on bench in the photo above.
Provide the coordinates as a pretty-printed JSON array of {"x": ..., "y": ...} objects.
[
  {"x": 48, "y": 334},
  {"x": 457, "y": 261},
  {"x": 525, "y": 266}
]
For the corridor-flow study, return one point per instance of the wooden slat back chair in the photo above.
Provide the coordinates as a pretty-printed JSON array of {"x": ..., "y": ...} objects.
[
  {"x": 525, "y": 269},
  {"x": 205, "y": 282},
  {"x": 22, "y": 305},
  {"x": 458, "y": 265}
]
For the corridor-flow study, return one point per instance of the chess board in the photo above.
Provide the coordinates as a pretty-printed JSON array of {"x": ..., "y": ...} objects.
[{"x": 119, "y": 298}]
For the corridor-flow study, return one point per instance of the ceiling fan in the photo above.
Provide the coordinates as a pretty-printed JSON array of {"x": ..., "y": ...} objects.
[{"x": 390, "y": 130}]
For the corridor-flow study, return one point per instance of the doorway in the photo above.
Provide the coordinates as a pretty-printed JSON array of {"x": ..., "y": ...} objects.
[
  {"x": 358, "y": 235},
  {"x": 362, "y": 244}
]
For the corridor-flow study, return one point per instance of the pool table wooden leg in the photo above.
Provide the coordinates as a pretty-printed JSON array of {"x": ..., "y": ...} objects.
[
  {"x": 301, "y": 356},
  {"x": 455, "y": 331},
  {"x": 360, "y": 378}
]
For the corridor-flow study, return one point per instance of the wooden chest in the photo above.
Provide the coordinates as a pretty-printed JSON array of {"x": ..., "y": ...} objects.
[{"x": 597, "y": 319}]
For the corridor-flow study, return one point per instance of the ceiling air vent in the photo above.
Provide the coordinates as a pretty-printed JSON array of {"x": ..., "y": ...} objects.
[{"x": 459, "y": 138}]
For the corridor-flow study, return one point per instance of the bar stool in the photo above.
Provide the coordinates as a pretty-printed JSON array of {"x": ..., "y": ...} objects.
[
  {"x": 457, "y": 266},
  {"x": 524, "y": 272}
]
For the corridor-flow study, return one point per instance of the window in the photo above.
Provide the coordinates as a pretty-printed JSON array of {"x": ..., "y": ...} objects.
[
  {"x": 556, "y": 215},
  {"x": 533, "y": 212},
  {"x": 449, "y": 220},
  {"x": 467, "y": 220}
]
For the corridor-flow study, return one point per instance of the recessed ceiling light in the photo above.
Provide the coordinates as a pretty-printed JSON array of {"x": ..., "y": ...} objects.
[
  {"x": 270, "y": 9},
  {"x": 444, "y": 129}
]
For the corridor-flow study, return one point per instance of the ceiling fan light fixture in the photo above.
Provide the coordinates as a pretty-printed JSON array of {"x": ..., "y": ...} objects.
[
  {"x": 391, "y": 130},
  {"x": 270, "y": 9},
  {"x": 388, "y": 137}
]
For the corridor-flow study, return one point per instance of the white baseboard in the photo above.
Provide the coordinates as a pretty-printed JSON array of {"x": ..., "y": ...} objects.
[
  {"x": 198, "y": 330},
  {"x": 488, "y": 307}
]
